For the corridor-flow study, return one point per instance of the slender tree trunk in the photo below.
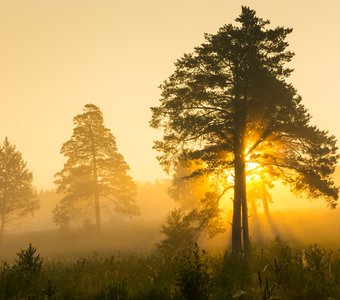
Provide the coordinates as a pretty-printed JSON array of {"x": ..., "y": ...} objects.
[
  {"x": 96, "y": 196},
  {"x": 236, "y": 240},
  {"x": 245, "y": 225},
  {"x": 240, "y": 213},
  {"x": 240, "y": 199},
  {"x": 95, "y": 175}
]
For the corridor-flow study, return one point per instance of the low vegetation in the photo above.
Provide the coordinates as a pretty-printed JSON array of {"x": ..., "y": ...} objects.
[{"x": 277, "y": 271}]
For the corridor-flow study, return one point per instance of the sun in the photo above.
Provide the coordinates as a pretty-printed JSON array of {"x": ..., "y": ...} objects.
[{"x": 253, "y": 170}]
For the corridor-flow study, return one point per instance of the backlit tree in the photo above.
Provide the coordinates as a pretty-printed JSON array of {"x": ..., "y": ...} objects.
[{"x": 228, "y": 104}]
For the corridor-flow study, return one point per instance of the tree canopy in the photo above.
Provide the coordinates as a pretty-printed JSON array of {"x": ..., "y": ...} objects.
[
  {"x": 228, "y": 104},
  {"x": 17, "y": 196},
  {"x": 94, "y": 171}
]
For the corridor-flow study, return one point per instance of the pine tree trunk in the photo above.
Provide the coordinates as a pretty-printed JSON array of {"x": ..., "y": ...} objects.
[
  {"x": 245, "y": 225},
  {"x": 236, "y": 241},
  {"x": 96, "y": 196},
  {"x": 240, "y": 213},
  {"x": 95, "y": 176}
]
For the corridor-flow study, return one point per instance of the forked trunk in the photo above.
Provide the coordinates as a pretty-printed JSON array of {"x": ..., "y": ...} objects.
[{"x": 240, "y": 213}]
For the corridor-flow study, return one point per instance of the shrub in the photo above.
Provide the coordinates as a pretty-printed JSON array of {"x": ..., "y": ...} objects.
[
  {"x": 21, "y": 279},
  {"x": 28, "y": 261},
  {"x": 194, "y": 280}
]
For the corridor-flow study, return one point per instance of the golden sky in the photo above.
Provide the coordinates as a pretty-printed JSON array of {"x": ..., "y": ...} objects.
[{"x": 57, "y": 55}]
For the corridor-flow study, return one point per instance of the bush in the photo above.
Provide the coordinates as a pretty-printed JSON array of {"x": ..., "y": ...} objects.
[
  {"x": 21, "y": 278},
  {"x": 194, "y": 280},
  {"x": 28, "y": 261}
]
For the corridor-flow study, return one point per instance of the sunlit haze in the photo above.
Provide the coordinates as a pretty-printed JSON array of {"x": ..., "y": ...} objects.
[
  {"x": 56, "y": 56},
  {"x": 99, "y": 97}
]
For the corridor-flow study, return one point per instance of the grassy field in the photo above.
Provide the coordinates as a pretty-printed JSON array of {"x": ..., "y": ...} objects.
[
  {"x": 122, "y": 262},
  {"x": 277, "y": 271}
]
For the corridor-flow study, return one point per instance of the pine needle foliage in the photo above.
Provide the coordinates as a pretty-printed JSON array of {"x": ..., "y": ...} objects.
[{"x": 94, "y": 172}]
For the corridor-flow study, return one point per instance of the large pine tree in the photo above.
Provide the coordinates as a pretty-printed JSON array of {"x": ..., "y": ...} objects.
[
  {"x": 228, "y": 104},
  {"x": 94, "y": 171}
]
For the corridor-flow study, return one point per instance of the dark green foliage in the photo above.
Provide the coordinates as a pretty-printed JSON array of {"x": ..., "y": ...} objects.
[
  {"x": 299, "y": 274},
  {"x": 8, "y": 282},
  {"x": 276, "y": 272},
  {"x": 229, "y": 102},
  {"x": 28, "y": 261},
  {"x": 194, "y": 279},
  {"x": 233, "y": 275},
  {"x": 50, "y": 290},
  {"x": 23, "y": 277},
  {"x": 266, "y": 291},
  {"x": 320, "y": 277}
]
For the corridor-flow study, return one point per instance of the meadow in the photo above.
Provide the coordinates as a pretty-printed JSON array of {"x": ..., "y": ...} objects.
[
  {"x": 275, "y": 271},
  {"x": 123, "y": 261}
]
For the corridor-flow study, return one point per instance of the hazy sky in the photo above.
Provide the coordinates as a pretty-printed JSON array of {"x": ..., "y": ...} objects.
[{"x": 57, "y": 55}]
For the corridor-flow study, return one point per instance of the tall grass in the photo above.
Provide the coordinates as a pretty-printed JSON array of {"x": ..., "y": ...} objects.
[{"x": 275, "y": 272}]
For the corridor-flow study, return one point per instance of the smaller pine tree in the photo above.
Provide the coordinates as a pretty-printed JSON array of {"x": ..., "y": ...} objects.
[
  {"x": 194, "y": 279},
  {"x": 93, "y": 173}
]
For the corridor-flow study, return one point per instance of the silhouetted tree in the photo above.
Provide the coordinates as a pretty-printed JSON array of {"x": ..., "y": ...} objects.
[
  {"x": 94, "y": 171},
  {"x": 17, "y": 197},
  {"x": 228, "y": 103}
]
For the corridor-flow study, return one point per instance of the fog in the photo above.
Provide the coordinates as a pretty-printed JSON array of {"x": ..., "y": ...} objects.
[
  {"x": 298, "y": 221},
  {"x": 136, "y": 234}
]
